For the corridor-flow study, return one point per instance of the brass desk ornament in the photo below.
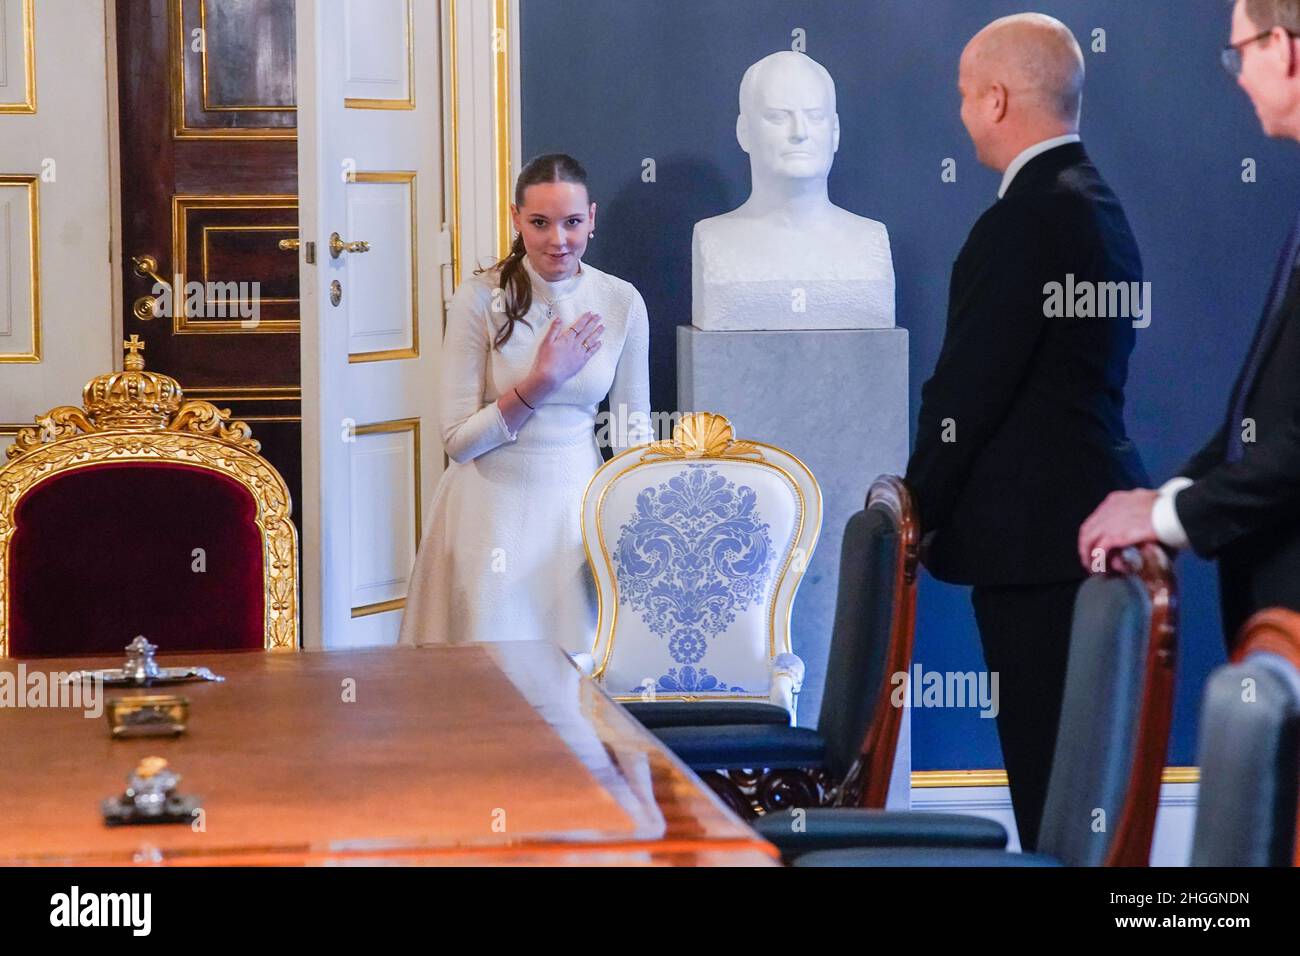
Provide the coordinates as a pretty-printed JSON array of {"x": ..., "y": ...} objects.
[{"x": 157, "y": 715}]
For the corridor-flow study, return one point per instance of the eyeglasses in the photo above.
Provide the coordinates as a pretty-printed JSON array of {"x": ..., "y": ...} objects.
[{"x": 1231, "y": 55}]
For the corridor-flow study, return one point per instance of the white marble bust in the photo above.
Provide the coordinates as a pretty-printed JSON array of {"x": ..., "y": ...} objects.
[{"x": 788, "y": 258}]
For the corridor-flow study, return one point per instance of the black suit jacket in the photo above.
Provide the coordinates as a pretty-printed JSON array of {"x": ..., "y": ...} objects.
[
  {"x": 1036, "y": 402},
  {"x": 1247, "y": 513}
]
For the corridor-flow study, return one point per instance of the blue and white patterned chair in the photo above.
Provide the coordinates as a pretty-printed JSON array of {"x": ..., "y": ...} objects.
[{"x": 697, "y": 546}]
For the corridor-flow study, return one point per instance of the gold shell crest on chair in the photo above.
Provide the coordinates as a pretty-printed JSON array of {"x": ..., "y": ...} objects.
[
  {"x": 704, "y": 434},
  {"x": 133, "y": 400}
]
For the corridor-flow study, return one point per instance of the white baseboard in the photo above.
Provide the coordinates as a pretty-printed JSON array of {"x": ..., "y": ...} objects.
[{"x": 1171, "y": 845}]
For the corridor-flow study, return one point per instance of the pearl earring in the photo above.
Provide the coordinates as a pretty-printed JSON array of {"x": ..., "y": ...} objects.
[{"x": 591, "y": 235}]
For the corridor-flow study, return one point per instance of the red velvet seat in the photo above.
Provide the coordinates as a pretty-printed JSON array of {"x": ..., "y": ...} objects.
[
  {"x": 143, "y": 513},
  {"x": 104, "y": 553}
]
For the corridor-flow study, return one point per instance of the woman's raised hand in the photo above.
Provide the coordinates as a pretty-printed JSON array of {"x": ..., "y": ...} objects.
[{"x": 564, "y": 352}]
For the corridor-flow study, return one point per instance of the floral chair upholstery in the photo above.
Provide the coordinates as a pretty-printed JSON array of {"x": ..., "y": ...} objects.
[
  {"x": 697, "y": 546},
  {"x": 143, "y": 513}
]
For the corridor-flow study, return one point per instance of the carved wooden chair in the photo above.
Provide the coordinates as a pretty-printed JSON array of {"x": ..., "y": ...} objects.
[
  {"x": 1249, "y": 750},
  {"x": 1110, "y": 753},
  {"x": 143, "y": 513},
  {"x": 697, "y": 546}
]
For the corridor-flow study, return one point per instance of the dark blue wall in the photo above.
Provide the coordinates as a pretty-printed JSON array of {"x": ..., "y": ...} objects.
[{"x": 618, "y": 81}]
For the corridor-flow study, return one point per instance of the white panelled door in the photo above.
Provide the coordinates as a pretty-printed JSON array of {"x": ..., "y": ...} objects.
[
  {"x": 56, "y": 299},
  {"x": 370, "y": 174}
]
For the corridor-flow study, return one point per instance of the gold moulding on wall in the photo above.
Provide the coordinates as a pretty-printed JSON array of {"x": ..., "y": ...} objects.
[
  {"x": 32, "y": 185},
  {"x": 408, "y": 102},
  {"x": 406, "y": 178},
  {"x": 28, "y": 103},
  {"x": 398, "y": 425},
  {"x": 998, "y": 778}
]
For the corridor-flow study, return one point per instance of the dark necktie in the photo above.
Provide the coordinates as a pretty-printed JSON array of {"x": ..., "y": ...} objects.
[{"x": 1288, "y": 271}]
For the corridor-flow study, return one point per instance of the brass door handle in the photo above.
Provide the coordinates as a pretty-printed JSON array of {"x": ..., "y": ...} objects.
[
  {"x": 146, "y": 306},
  {"x": 289, "y": 245},
  {"x": 147, "y": 266},
  {"x": 338, "y": 246}
]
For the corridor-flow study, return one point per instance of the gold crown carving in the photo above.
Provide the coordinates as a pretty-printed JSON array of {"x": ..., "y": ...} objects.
[{"x": 133, "y": 400}]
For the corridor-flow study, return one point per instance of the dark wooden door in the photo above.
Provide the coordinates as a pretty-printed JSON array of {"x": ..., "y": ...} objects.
[{"x": 209, "y": 175}]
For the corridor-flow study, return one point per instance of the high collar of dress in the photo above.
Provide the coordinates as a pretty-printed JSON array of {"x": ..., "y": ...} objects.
[{"x": 555, "y": 290}]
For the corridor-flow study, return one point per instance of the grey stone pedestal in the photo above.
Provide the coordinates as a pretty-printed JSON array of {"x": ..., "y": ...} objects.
[{"x": 838, "y": 401}]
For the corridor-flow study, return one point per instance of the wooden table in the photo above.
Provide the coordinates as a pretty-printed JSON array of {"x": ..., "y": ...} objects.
[{"x": 481, "y": 754}]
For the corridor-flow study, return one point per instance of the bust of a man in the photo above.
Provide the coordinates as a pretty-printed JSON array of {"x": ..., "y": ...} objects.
[{"x": 788, "y": 258}]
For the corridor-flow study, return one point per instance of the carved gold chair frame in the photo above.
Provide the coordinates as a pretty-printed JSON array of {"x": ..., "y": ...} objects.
[{"x": 140, "y": 416}]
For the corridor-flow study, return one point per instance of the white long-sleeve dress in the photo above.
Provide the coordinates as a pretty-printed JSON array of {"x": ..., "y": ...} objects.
[{"x": 501, "y": 557}]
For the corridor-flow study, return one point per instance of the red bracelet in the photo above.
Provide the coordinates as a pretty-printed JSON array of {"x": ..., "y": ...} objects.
[{"x": 522, "y": 399}]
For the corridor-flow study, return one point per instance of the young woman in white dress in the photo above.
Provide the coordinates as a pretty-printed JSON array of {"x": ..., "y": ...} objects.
[{"x": 532, "y": 346}]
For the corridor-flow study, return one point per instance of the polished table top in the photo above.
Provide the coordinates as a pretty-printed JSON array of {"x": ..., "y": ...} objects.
[{"x": 478, "y": 754}]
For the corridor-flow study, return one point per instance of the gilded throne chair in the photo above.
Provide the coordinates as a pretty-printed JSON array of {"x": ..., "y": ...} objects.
[
  {"x": 697, "y": 546},
  {"x": 143, "y": 513}
]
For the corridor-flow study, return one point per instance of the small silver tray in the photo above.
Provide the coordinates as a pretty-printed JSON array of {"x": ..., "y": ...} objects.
[
  {"x": 119, "y": 677},
  {"x": 141, "y": 670}
]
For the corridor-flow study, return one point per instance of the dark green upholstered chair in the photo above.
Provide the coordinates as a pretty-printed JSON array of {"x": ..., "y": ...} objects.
[
  {"x": 1105, "y": 785},
  {"x": 1249, "y": 749},
  {"x": 847, "y": 760}
]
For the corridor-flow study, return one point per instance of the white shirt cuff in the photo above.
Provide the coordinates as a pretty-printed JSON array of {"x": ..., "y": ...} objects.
[
  {"x": 1164, "y": 515},
  {"x": 501, "y": 420}
]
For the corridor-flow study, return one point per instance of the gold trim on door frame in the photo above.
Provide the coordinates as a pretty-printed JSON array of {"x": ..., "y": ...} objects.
[
  {"x": 500, "y": 132},
  {"x": 407, "y": 177},
  {"x": 181, "y": 204},
  {"x": 226, "y": 395},
  {"x": 178, "y": 42},
  {"x": 501, "y": 126},
  {"x": 28, "y": 105},
  {"x": 246, "y": 393},
  {"x": 454, "y": 164},
  {"x": 411, "y": 425},
  {"x": 374, "y": 103},
  {"x": 33, "y": 185}
]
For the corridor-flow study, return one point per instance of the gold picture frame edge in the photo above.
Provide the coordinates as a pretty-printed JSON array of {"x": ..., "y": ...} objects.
[
  {"x": 33, "y": 184},
  {"x": 394, "y": 426},
  {"x": 28, "y": 104},
  {"x": 407, "y": 177}
]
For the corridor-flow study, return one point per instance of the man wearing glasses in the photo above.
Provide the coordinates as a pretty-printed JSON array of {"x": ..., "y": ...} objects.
[{"x": 1238, "y": 499}]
